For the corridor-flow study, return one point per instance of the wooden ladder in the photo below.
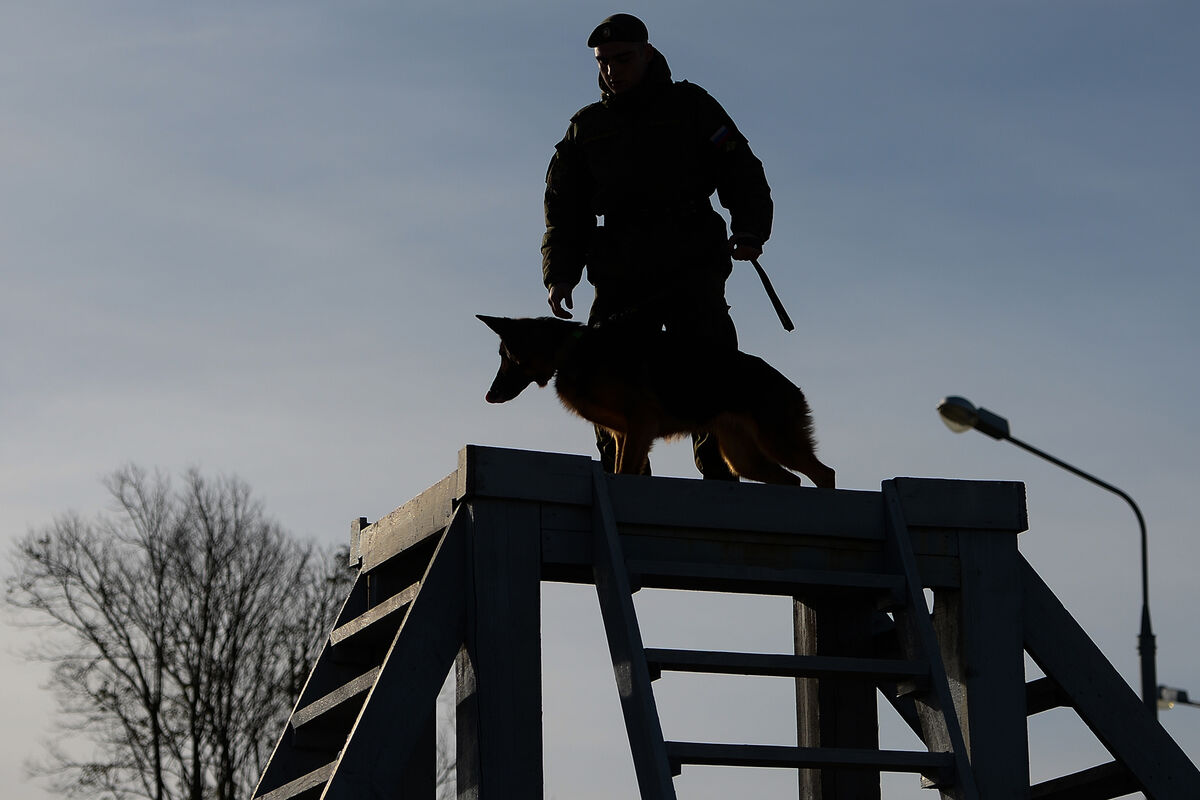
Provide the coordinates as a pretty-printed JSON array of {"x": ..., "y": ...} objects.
[
  {"x": 920, "y": 671},
  {"x": 400, "y": 628}
]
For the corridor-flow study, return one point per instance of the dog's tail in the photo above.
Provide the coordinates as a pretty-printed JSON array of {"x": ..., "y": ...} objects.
[{"x": 785, "y": 427}]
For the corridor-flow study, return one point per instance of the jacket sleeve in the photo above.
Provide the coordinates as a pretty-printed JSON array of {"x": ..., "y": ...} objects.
[
  {"x": 741, "y": 182},
  {"x": 570, "y": 219}
]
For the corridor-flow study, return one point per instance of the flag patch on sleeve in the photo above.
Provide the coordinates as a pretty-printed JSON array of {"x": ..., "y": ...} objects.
[{"x": 719, "y": 137}]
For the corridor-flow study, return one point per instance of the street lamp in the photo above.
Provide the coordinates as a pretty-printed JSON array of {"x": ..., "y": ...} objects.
[
  {"x": 1169, "y": 697},
  {"x": 961, "y": 415}
]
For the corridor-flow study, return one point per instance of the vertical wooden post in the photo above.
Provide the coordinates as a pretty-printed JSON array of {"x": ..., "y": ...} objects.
[
  {"x": 980, "y": 630},
  {"x": 499, "y": 679},
  {"x": 832, "y": 712},
  {"x": 808, "y": 706}
]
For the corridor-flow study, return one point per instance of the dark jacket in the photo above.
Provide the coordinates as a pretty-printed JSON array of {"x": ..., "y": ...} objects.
[{"x": 648, "y": 160}]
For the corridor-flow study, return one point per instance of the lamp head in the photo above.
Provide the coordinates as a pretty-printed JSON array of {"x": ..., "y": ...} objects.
[
  {"x": 1169, "y": 697},
  {"x": 960, "y": 415}
]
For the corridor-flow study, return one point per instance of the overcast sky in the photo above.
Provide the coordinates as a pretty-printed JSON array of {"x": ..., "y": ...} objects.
[{"x": 252, "y": 237}]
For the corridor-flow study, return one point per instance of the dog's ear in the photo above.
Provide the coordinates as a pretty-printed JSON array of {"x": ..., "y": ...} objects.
[{"x": 498, "y": 324}]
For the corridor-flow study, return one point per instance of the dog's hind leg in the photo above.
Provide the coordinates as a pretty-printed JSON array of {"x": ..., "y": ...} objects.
[
  {"x": 820, "y": 474},
  {"x": 800, "y": 457},
  {"x": 747, "y": 459},
  {"x": 792, "y": 446}
]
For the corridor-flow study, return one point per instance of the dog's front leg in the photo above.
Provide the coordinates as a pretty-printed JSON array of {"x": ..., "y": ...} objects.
[{"x": 633, "y": 448}]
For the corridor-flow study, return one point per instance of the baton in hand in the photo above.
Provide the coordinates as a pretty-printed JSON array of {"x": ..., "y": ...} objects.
[{"x": 779, "y": 309}]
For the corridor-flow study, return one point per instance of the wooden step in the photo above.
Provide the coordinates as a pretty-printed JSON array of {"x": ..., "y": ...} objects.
[
  {"x": 306, "y": 787},
  {"x": 938, "y": 766},
  {"x": 377, "y": 623},
  {"x": 376, "y": 589},
  {"x": 785, "y": 666},
  {"x": 326, "y": 722}
]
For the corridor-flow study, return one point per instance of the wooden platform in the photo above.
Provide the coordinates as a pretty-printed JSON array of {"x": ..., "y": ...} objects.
[{"x": 453, "y": 578}]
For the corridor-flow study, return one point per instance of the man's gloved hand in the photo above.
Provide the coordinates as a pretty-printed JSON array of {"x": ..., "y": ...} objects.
[
  {"x": 745, "y": 247},
  {"x": 560, "y": 295}
]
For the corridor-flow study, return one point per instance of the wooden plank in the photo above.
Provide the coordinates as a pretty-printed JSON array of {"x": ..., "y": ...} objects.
[
  {"x": 1103, "y": 782},
  {"x": 390, "y": 607},
  {"x": 425, "y": 515},
  {"x": 351, "y": 689},
  {"x": 498, "y": 674},
  {"x": 309, "y": 784},
  {"x": 325, "y": 723},
  {"x": 1104, "y": 701},
  {"x": 650, "y": 762},
  {"x": 503, "y": 474},
  {"x": 786, "y": 757},
  {"x": 783, "y": 666},
  {"x": 396, "y": 722}
]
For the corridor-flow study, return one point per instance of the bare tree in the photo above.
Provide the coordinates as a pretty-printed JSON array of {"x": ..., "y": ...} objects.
[{"x": 183, "y": 624}]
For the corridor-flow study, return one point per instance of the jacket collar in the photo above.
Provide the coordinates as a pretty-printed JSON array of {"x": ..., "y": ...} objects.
[{"x": 658, "y": 76}]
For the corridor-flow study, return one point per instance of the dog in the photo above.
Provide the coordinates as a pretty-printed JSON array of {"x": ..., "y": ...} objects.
[{"x": 659, "y": 386}]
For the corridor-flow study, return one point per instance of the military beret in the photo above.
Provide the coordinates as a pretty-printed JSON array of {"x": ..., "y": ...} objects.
[{"x": 619, "y": 28}]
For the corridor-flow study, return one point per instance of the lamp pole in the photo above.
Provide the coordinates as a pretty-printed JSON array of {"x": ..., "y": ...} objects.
[{"x": 960, "y": 415}]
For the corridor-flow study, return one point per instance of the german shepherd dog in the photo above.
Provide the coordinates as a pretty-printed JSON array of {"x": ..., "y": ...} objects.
[{"x": 644, "y": 388}]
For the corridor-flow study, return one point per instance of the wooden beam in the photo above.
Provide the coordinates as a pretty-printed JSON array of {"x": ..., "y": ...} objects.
[
  {"x": 782, "y": 756},
  {"x": 1044, "y": 694},
  {"x": 721, "y": 576},
  {"x": 1104, "y": 701},
  {"x": 784, "y": 666},
  {"x": 502, "y": 474},
  {"x": 555, "y": 478}
]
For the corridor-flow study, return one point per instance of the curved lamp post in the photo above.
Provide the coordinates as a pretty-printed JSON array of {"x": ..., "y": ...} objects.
[{"x": 961, "y": 415}]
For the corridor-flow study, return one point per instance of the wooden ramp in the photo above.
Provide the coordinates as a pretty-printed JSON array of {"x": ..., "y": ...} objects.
[{"x": 452, "y": 580}]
